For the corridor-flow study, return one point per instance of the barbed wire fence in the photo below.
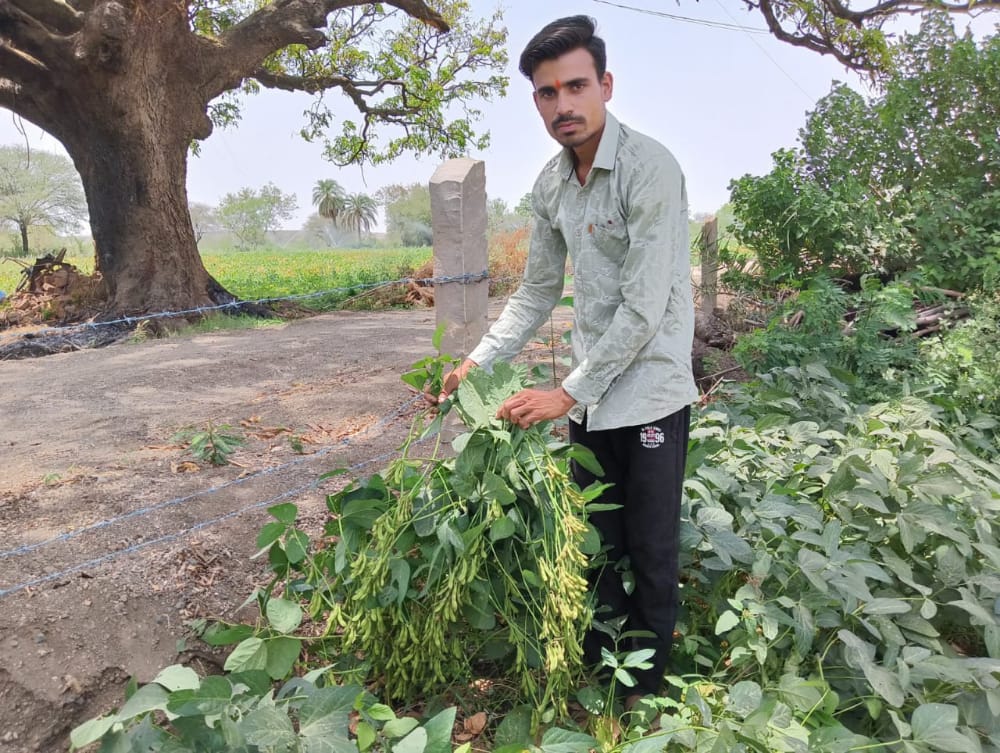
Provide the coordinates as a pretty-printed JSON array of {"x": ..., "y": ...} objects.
[{"x": 237, "y": 304}]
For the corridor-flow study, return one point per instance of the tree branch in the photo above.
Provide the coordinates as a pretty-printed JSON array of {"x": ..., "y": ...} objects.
[
  {"x": 240, "y": 51},
  {"x": 356, "y": 90},
  {"x": 788, "y": 23},
  {"x": 23, "y": 31},
  {"x": 55, "y": 14},
  {"x": 22, "y": 69}
]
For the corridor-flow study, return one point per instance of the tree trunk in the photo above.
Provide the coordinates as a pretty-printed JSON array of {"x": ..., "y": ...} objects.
[
  {"x": 144, "y": 240},
  {"x": 24, "y": 238},
  {"x": 127, "y": 120}
]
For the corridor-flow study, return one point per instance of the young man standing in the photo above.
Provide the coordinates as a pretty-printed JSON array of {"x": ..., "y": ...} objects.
[{"x": 615, "y": 201}]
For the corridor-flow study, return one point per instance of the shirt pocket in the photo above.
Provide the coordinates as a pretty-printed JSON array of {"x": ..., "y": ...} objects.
[{"x": 609, "y": 236}]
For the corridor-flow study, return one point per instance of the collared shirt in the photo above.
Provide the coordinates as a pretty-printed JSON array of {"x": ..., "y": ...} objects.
[{"x": 626, "y": 232}]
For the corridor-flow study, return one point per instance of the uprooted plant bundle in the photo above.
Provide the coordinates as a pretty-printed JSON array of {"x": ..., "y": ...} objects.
[{"x": 443, "y": 568}]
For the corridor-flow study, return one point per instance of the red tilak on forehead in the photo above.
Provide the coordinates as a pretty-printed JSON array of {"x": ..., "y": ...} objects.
[{"x": 558, "y": 84}]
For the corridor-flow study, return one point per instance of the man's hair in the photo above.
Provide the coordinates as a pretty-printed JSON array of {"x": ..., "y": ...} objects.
[{"x": 559, "y": 37}]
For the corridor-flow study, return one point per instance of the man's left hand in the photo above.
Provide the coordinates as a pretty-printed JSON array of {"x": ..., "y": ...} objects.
[{"x": 529, "y": 407}]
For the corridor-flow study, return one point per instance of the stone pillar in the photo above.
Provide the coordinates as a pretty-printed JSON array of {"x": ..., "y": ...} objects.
[
  {"x": 458, "y": 210},
  {"x": 710, "y": 266}
]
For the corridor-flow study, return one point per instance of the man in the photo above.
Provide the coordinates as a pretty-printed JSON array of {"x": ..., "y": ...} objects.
[{"x": 615, "y": 201}]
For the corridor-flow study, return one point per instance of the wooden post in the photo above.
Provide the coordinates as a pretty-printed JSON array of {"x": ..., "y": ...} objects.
[
  {"x": 458, "y": 212},
  {"x": 709, "y": 265}
]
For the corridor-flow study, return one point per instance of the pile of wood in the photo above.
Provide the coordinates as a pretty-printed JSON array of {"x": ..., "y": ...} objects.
[{"x": 52, "y": 291}]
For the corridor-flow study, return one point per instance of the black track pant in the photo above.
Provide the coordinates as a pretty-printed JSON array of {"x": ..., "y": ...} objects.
[{"x": 646, "y": 465}]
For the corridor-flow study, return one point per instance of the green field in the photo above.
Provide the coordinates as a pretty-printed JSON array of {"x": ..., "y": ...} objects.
[{"x": 253, "y": 275}]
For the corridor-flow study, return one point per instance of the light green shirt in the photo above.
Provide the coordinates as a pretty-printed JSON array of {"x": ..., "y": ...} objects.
[{"x": 626, "y": 233}]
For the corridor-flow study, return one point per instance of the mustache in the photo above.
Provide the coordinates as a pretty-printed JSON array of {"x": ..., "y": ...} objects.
[{"x": 566, "y": 119}]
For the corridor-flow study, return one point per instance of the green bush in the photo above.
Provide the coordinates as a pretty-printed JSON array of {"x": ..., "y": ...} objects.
[
  {"x": 902, "y": 181},
  {"x": 842, "y": 574}
]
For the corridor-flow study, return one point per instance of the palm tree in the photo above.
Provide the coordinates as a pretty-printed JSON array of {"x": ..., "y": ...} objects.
[
  {"x": 329, "y": 197},
  {"x": 358, "y": 213}
]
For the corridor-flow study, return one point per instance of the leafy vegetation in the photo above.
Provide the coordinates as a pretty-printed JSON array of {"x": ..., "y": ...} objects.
[
  {"x": 904, "y": 181},
  {"x": 251, "y": 214},
  {"x": 213, "y": 444}
]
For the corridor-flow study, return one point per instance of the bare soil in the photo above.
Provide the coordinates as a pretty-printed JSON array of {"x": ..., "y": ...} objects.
[{"x": 112, "y": 538}]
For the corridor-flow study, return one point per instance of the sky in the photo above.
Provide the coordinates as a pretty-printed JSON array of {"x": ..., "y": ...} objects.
[{"x": 722, "y": 101}]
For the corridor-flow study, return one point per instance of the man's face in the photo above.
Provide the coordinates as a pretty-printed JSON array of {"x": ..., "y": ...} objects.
[{"x": 571, "y": 99}]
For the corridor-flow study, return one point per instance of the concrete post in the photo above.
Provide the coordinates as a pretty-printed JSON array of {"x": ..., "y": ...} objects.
[
  {"x": 458, "y": 211},
  {"x": 710, "y": 266}
]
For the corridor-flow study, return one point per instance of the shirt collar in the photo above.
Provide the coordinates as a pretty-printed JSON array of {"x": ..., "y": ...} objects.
[{"x": 607, "y": 150}]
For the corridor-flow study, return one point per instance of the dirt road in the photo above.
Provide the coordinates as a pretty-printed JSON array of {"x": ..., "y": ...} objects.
[{"x": 111, "y": 539}]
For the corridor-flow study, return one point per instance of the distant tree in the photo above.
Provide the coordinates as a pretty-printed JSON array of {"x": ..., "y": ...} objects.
[
  {"x": 250, "y": 214},
  {"x": 39, "y": 189},
  {"x": 496, "y": 214},
  {"x": 204, "y": 219},
  {"x": 359, "y": 213},
  {"x": 322, "y": 233},
  {"x": 524, "y": 207},
  {"x": 328, "y": 197},
  {"x": 408, "y": 213}
]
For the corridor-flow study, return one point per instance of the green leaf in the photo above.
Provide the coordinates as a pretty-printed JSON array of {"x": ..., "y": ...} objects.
[
  {"x": 283, "y": 615},
  {"x": 557, "y": 740},
  {"x": 178, "y": 677},
  {"x": 249, "y": 654},
  {"x": 324, "y": 719},
  {"x": 365, "y": 734},
  {"x": 885, "y": 683},
  {"x": 439, "y": 728},
  {"x": 592, "y": 699},
  {"x": 744, "y": 698},
  {"x": 726, "y": 622},
  {"x": 219, "y": 634},
  {"x": 886, "y": 606},
  {"x": 151, "y": 697},
  {"x": 934, "y": 724},
  {"x": 212, "y": 697},
  {"x": 91, "y": 731},
  {"x": 270, "y": 533},
  {"x": 269, "y": 729},
  {"x": 415, "y": 742},
  {"x": 381, "y": 713},
  {"x": 502, "y": 528},
  {"x": 284, "y": 513},
  {"x": 401, "y": 727},
  {"x": 585, "y": 458},
  {"x": 475, "y": 411},
  {"x": 282, "y": 653},
  {"x": 515, "y": 728},
  {"x": 296, "y": 545}
]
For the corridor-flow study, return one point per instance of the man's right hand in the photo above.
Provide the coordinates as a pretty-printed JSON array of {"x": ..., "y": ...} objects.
[{"x": 452, "y": 381}]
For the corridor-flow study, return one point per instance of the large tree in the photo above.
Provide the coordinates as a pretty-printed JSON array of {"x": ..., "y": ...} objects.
[
  {"x": 39, "y": 189},
  {"x": 850, "y": 30},
  {"x": 128, "y": 85}
]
